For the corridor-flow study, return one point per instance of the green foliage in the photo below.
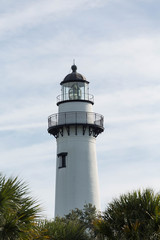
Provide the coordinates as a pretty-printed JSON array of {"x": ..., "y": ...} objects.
[
  {"x": 62, "y": 229},
  {"x": 18, "y": 211},
  {"x": 134, "y": 216},
  {"x": 86, "y": 216},
  {"x": 77, "y": 225}
]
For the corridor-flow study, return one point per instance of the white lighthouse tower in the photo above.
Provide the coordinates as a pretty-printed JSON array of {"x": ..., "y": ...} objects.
[{"x": 75, "y": 128}]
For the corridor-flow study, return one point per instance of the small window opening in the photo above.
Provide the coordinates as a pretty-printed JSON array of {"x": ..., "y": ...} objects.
[{"x": 62, "y": 159}]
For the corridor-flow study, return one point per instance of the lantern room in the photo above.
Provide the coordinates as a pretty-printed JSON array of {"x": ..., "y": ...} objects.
[{"x": 75, "y": 87}]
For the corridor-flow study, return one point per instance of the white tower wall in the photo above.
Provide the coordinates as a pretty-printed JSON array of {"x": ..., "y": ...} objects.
[
  {"x": 75, "y": 106},
  {"x": 77, "y": 183}
]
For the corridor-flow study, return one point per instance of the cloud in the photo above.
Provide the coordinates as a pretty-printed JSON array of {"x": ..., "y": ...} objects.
[
  {"x": 130, "y": 105},
  {"x": 34, "y": 164},
  {"x": 130, "y": 98},
  {"x": 122, "y": 63},
  {"x": 133, "y": 60},
  {"x": 131, "y": 119},
  {"x": 27, "y": 155},
  {"x": 33, "y": 13},
  {"x": 127, "y": 176}
]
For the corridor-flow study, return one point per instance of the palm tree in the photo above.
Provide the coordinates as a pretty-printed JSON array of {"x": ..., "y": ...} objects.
[
  {"x": 134, "y": 216},
  {"x": 18, "y": 211}
]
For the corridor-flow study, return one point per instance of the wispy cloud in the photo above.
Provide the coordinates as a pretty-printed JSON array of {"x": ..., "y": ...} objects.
[
  {"x": 34, "y": 164},
  {"x": 32, "y": 13}
]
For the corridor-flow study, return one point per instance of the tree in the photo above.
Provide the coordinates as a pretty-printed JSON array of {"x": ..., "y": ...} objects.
[
  {"x": 62, "y": 229},
  {"x": 77, "y": 225},
  {"x": 18, "y": 211},
  {"x": 85, "y": 216},
  {"x": 134, "y": 216}
]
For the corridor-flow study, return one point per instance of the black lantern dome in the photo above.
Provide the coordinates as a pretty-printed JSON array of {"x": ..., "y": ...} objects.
[{"x": 74, "y": 76}]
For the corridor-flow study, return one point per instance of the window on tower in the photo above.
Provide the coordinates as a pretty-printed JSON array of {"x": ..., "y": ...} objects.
[{"x": 62, "y": 159}]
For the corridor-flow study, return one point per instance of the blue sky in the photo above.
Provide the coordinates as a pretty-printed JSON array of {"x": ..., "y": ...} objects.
[{"x": 116, "y": 45}]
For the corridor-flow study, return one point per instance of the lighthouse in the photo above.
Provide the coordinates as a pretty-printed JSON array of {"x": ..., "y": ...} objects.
[{"x": 75, "y": 128}]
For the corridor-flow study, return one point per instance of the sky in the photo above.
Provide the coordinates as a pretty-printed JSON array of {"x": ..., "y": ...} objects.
[{"x": 116, "y": 46}]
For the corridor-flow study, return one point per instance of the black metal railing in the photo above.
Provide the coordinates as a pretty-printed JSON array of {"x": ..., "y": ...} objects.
[
  {"x": 69, "y": 118},
  {"x": 66, "y": 97}
]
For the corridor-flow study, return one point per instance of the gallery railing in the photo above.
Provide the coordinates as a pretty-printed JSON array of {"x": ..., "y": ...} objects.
[
  {"x": 69, "y": 118},
  {"x": 67, "y": 97}
]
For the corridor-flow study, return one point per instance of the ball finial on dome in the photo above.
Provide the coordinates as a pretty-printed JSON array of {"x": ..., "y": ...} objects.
[{"x": 74, "y": 68}]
